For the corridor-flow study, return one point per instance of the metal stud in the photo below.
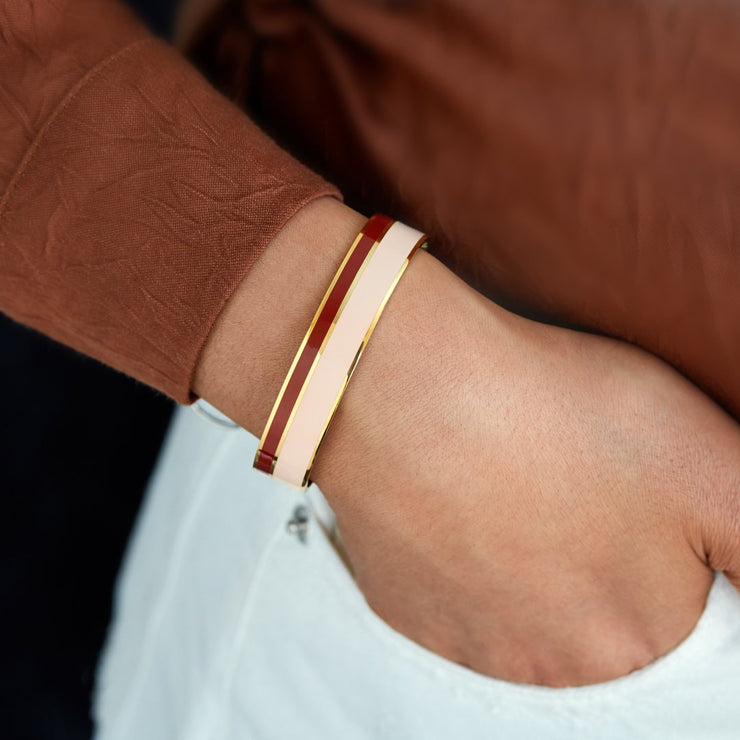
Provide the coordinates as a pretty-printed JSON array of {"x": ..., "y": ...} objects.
[{"x": 298, "y": 523}]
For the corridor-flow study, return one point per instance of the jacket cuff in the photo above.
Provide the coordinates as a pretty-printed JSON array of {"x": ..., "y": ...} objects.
[{"x": 137, "y": 210}]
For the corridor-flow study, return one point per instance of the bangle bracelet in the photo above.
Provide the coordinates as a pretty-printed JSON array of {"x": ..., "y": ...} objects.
[{"x": 332, "y": 346}]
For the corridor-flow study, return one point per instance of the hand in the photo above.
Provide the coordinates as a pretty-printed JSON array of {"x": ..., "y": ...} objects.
[{"x": 541, "y": 505}]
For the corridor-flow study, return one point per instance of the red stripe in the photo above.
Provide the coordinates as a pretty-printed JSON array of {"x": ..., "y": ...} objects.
[{"x": 372, "y": 232}]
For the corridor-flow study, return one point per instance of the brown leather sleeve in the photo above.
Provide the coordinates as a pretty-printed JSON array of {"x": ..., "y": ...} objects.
[
  {"x": 578, "y": 160},
  {"x": 134, "y": 197}
]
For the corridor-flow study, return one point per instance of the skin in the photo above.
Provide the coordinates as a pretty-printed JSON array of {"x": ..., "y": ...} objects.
[{"x": 542, "y": 505}]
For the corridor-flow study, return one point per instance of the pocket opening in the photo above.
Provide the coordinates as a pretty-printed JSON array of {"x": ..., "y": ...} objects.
[{"x": 688, "y": 650}]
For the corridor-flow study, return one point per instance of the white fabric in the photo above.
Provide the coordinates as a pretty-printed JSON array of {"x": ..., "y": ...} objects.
[{"x": 228, "y": 626}]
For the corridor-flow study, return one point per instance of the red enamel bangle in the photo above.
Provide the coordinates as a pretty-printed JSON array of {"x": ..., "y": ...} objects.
[{"x": 331, "y": 347}]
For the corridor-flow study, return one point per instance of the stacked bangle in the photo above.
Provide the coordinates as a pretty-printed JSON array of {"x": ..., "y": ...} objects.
[{"x": 329, "y": 352}]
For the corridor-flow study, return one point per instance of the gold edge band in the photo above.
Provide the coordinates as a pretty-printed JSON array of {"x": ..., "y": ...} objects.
[
  {"x": 320, "y": 352},
  {"x": 360, "y": 349},
  {"x": 302, "y": 346},
  {"x": 421, "y": 244}
]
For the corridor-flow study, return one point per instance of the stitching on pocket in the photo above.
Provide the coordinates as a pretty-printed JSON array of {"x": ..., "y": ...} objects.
[{"x": 438, "y": 666}]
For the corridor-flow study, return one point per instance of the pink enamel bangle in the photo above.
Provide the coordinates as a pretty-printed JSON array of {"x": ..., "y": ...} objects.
[{"x": 332, "y": 347}]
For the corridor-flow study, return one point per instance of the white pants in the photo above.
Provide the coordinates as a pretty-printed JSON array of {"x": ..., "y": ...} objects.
[{"x": 228, "y": 625}]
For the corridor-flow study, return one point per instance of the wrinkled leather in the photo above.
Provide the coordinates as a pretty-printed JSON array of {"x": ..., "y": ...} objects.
[
  {"x": 577, "y": 160},
  {"x": 133, "y": 197}
]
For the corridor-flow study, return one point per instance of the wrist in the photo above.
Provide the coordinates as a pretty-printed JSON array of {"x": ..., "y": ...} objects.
[
  {"x": 254, "y": 340},
  {"x": 410, "y": 382},
  {"x": 428, "y": 332}
]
